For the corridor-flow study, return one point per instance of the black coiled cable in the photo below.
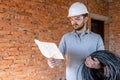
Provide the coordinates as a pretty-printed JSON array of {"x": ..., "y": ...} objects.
[{"x": 108, "y": 60}]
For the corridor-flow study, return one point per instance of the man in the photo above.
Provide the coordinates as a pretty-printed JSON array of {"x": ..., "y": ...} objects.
[{"x": 79, "y": 44}]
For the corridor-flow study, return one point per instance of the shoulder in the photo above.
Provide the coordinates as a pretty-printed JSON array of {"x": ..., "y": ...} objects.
[
  {"x": 94, "y": 34},
  {"x": 67, "y": 36}
]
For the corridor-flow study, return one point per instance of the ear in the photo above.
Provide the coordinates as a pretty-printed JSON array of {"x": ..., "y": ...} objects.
[{"x": 85, "y": 19}]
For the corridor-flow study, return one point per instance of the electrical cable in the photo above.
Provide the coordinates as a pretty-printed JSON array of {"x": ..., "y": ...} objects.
[{"x": 109, "y": 61}]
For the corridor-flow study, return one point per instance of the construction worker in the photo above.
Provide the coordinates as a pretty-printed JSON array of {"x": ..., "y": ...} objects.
[{"x": 77, "y": 45}]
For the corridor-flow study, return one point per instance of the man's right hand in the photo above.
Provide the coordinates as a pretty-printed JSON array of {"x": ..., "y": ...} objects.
[{"x": 53, "y": 62}]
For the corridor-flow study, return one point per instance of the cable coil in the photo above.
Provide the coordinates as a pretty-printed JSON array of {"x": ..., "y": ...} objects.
[{"x": 107, "y": 59}]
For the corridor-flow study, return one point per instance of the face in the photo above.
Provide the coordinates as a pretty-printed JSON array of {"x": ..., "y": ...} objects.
[{"x": 78, "y": 22}]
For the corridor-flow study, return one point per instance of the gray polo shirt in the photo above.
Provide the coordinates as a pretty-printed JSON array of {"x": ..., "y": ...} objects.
[{"x": 76, "y": 48}]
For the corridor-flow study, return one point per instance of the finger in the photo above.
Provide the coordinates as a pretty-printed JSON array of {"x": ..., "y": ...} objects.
[
  {"x": 88, "y": 58},
  {"x": 88, "y": 63},
  {"x": 95, "y": 59},
  {"x": 51, "y": 60},
  {"x": 51, "y": 64}
]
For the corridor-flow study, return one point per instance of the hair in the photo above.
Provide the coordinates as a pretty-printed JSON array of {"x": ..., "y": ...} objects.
[{"x": 85, "y": 15}]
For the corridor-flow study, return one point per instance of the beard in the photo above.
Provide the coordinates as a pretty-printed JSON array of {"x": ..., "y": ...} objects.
[{"x": 78, "y": 27}]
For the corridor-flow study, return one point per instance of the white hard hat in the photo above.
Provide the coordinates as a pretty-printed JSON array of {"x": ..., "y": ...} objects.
[{"x": 77, "y": 8}]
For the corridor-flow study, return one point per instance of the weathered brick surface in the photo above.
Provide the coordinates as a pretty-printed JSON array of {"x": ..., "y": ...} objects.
[
  {"x": 23, "y": 20},
  {"x": 114, "y": 29}
]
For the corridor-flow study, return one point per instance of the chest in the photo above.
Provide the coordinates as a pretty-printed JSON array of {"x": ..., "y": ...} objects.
[
  {"x": 81, "y": 46},
  {"x": 78, "y": 43}
]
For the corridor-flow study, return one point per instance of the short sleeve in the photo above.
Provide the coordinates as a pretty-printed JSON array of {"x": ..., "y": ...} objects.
[
  {"x": 62, "y": 45},
  {"x": 100, "y": 44}
]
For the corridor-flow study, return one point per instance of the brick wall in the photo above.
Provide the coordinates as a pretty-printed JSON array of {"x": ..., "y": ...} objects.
[
  {"x": 100, "y": 7},
  {"x": 114, "y": 29},
  {"x": 20, "y": 22},
  {"x": 23, "y": 20}
]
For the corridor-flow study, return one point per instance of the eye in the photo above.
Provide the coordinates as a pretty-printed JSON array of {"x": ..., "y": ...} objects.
[{"x": 76, "y": 18}]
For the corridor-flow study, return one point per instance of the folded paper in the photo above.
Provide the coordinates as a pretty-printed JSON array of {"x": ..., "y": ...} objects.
[{"x": 49, "y": 49}]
